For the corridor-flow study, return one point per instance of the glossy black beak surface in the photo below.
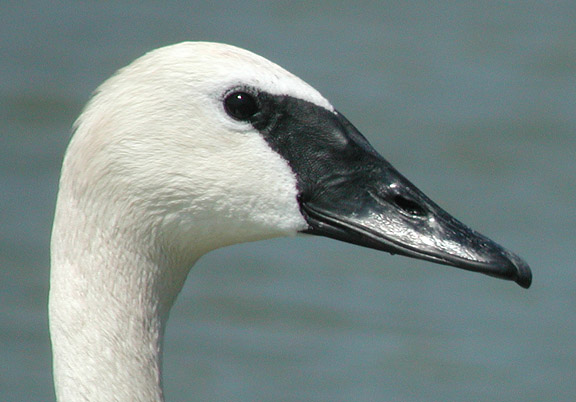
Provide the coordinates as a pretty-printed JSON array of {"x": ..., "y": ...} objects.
[
  {"x": 351, "y": 193},
  {"x": 391, "y": 214},
  {"x": 373, "y": 205}
]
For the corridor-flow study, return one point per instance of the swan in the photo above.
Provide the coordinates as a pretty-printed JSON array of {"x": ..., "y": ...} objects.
[{"x": 197, "y": 146}]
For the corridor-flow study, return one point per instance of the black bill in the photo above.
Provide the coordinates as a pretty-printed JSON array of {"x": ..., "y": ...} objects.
[{"x": 351, "y": 193}]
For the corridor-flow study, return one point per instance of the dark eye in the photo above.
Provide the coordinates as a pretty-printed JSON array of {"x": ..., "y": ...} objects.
[{"x": 241, "y": 105}]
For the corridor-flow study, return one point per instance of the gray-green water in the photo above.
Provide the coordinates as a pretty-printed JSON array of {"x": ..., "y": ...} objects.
[{"x": 474, "y": 101}]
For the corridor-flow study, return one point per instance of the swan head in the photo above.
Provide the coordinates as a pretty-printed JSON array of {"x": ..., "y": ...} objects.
[{"x": 197, "y": 146}]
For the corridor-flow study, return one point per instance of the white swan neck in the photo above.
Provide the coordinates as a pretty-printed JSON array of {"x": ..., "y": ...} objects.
[{"x": 108, "y": 308}]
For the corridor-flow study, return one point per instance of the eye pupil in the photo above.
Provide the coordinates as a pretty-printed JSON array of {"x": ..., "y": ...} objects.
[{"x": 241, "y": 105}]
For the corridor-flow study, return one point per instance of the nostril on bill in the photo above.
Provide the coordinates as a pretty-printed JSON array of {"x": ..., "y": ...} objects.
[{"x": 408, "y": 206}]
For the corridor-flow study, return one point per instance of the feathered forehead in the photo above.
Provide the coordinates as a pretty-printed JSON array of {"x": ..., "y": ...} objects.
[{"x": 225, "y": 66}]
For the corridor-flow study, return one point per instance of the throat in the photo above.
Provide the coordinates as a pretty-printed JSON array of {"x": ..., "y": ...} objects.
[{"x": 108, "y": 311}]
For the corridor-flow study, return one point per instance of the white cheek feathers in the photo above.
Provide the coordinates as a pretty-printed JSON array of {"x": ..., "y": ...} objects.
[{"x": 156, "y": 140}]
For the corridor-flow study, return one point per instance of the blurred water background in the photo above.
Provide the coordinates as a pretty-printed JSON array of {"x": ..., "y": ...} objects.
[{"x": 474, "y": 101}]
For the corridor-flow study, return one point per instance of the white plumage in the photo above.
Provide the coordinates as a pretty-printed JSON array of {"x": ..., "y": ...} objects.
[{"x": 155, "y": 176}]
